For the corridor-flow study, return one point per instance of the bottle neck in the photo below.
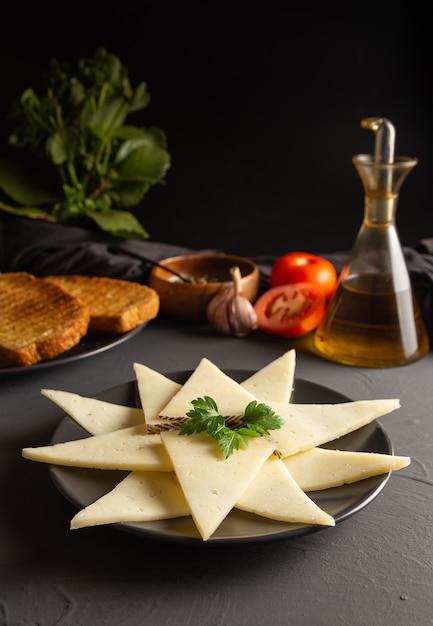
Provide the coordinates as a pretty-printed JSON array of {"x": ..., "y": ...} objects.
[{"x": 380, "y": 209}]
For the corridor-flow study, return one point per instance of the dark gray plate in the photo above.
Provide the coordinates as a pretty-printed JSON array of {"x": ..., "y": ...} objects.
[
  {"x": 83, "y": 486},
  {"x": 90, "y": 345}
]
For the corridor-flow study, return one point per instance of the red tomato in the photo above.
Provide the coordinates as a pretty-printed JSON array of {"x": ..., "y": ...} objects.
[
  {"x": 291, "y": 310},
  {"x": 299, "y": 267}
]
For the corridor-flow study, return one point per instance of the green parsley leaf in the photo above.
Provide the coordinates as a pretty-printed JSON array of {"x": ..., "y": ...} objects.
[
  {"x": 231, "y": 440},
  {"x": 258, "y": 420},
  {"x": 204, "y": 416},
  {"x": 262, "y": 418}
]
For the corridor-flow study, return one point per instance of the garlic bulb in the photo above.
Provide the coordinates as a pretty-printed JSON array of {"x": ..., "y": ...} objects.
[{"x": 230, "y": 312}]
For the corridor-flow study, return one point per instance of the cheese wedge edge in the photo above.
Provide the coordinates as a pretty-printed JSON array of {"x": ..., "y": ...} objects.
[
  {"x": 322, "y": 468},
  {"x": 95, "y": 416},
  {"x": 274, "y": 382},
  {"x": 212, "y": 484},
  {"x": 155, "y": 391},
  {"x": 274, "y": 493},
  {"x": 309, "y": 425},
  {"x": 208, "y": 380},
  {"x": 140, "y": 496},
  {"x": 127, "y": 449}
]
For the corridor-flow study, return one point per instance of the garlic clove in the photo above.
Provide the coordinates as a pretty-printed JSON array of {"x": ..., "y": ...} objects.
[
  {"x": 216, "y": 311},
  {"x": 230, "y": 311}
]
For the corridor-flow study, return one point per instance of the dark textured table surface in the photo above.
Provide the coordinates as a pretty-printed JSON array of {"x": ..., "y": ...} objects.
[
  {"x": 375, "y": 567},
  {"x": 262, "y": 110}
]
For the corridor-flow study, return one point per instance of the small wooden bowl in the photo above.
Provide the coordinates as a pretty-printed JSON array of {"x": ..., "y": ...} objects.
[{"x": 188, "y": 301}]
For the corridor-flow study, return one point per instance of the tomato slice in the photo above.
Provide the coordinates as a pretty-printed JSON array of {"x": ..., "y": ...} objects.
[{"x": 291, "y": 310}]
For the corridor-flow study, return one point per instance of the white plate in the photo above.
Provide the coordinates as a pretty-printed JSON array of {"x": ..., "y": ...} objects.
[{"x": 83, "y": 486}]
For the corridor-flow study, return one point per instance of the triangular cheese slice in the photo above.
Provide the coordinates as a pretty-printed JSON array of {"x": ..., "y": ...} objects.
[
  {"x": 274, "y": 382},
  {"x": 211, "y": 484},
  {"x": 309, "y": 425},
  {"x": 320, "y": 468},
  {"x": 208, "y": 380},
  {"x": 95, "y": 416},
  {"x": 275, "y": 494},
  {"x": 126, "y": 449},
  {"x": 141, "y": 496},
  {"x": 155, "y": 391}
]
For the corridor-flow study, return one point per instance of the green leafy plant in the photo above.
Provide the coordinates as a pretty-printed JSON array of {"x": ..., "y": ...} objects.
[
  {"x": 257, "y": 420},
  {"x": 73, "y": 159}
]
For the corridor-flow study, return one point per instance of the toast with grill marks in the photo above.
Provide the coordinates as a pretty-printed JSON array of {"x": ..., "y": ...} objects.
[
  {"x": 38, "y": 320},
  {"x": 115, "y": 305}
]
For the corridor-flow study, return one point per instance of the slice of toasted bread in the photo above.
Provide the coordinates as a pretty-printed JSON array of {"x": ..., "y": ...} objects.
[
  {"x": 38, "y": 320},
  {"x": 115, "y": 305}
]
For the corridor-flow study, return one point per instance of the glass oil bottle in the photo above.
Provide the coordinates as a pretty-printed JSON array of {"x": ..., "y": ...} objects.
[{"x": 373, "y": 319}]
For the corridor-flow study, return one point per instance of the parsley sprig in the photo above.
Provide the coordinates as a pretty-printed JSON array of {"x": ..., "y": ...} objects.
[{"x": 257, "y": 420}]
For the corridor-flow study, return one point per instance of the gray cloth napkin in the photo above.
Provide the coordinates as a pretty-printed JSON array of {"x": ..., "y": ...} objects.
[{"x": 43, "y": 248}]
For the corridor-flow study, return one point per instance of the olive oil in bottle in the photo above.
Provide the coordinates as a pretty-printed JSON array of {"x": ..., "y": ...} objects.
[
  {"x": 373, "y": 319},
  {"x": 370, "y": 325}
]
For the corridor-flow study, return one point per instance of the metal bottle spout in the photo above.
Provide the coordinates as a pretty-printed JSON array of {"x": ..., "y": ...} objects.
[{"x": 385, "y": 138}]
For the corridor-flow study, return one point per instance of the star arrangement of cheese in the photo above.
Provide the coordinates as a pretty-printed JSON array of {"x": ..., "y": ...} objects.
[{"x": 167, "y": 480}]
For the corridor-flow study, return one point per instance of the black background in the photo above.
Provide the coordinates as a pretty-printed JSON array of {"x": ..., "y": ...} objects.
[{"x": 261, "y": 106}]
